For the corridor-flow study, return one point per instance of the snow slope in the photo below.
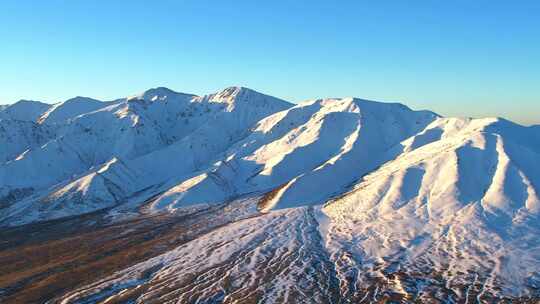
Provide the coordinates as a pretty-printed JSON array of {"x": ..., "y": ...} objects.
[
  {"x": 274, "y": 258},
  {"x": 485, "y": 161},
  {"x": 326, "y": 144},
  {"x": 70, "y": 109},
  {"x": 451, "y": 217},
  {"x": 18, "y": 136},
  {"x": 461, "y": 200}
]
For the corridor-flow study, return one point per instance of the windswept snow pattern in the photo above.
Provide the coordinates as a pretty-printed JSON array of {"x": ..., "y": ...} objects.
[
  {"x": 273, "y": 258},
  {"x": 351, "y": 201}
]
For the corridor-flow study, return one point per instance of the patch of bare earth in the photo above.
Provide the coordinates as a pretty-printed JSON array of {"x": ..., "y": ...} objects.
[{"x": 42, "y": 261}]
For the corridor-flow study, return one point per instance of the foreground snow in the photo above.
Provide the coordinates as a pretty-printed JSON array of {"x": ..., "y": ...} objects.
[{"x": 304, "y": 255}]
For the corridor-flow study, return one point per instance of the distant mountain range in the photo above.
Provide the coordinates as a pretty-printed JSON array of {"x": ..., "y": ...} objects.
[{"x": 339, "y": 200}]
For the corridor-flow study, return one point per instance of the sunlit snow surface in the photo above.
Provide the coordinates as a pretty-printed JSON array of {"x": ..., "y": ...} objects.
[
  {"x": 342, "y": 200},
  {"x": 302, "y": 255}
]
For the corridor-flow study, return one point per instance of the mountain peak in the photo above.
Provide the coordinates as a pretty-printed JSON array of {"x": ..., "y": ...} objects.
[
  {"x": 26, "y": 110},
  {"x": 77, "y": 99},
  {"x": 159, "y": 93},
  {"x": 234, "y": 91},
  {"x": 241, "y": 95},
  {"x": 70, "y": 108},
  {"x": 28, "y": 101}
]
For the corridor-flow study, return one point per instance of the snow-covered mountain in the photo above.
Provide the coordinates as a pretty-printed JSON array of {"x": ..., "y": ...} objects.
[
  {"x": 154, "y": 136},
  {"x": 338, "y": 200}
]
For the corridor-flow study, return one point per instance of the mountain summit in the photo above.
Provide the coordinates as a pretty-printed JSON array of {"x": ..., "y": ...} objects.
[{"x": 24, "y": 110}]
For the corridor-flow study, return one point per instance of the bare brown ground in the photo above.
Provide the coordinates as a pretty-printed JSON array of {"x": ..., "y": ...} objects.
[
  {"x": 267, "y": 198},
  {"x": 45, "y": 260}
]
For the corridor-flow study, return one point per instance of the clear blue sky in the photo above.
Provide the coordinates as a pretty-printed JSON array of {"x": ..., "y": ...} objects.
[{"x": 458, "y": 58}]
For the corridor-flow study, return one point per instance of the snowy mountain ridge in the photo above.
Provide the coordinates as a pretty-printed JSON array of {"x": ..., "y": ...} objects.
[
  {"x": 146, "y": 133},
  {"x": 372, "y": 200}
]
